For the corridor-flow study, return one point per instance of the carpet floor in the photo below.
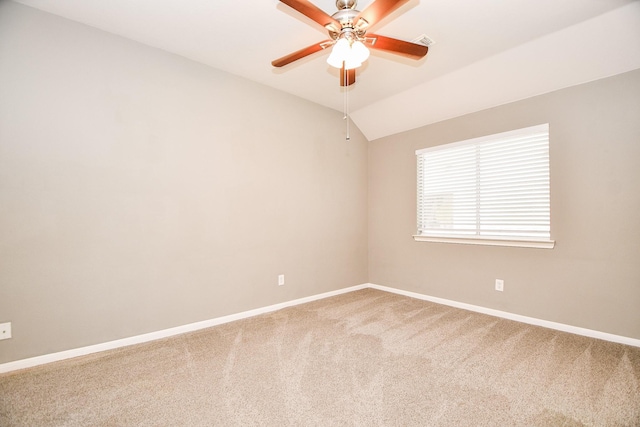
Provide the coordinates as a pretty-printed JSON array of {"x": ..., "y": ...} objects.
[{"x": 366, "y": 358}]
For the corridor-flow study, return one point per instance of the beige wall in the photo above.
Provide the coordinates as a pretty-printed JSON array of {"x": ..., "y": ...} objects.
[
  {"x": 141, "y": 191},
  {"x": 592, "y": 277}
]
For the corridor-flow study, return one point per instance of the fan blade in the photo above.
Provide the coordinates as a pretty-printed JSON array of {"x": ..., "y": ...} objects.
[
  {"x": 347, "y": 77},
  {"x": 301, "y": 53},
  {"x": 376, "y": 11},
  {"x": 400, "y": 47},
  {"x": 314, "y": 13}
]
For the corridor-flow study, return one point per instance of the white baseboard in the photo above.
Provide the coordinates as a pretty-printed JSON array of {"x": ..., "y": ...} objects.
[
  {"x": 138, "y": 339},
  {"x": 517, "y": 317}
]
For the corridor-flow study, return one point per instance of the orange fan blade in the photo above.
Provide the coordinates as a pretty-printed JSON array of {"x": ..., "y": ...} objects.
[
  {"x": 400, "y": 47},
  {"x": 377, "y": 10},
  {"x": 347, "y": 77},
  {"x": 314, "y": 13},
  {"x": 301, "y": 53}
]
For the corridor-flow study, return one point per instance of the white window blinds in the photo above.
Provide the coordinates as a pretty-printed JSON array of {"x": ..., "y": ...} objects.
[{"x": 494, "y": 187}]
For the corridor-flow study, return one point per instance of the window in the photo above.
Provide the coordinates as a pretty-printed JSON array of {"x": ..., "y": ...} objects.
[{"x": 492, "y": 190}]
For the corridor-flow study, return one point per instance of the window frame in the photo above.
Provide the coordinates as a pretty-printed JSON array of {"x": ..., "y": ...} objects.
[{"x": 510, "y": 241}]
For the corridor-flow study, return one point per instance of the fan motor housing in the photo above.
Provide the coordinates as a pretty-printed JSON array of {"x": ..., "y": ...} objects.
[
  {"x": 346, "y": 18},
  {"x": 345, "y": 4}
]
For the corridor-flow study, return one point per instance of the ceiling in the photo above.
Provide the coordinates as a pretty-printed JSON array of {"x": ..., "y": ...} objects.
[{"x": 486, "y": 52}]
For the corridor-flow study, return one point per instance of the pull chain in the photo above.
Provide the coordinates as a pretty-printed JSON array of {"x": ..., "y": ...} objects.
[{"x": 346, "y": 101}]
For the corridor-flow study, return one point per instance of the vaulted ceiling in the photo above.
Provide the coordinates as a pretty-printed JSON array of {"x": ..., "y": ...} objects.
[{"x": 486, "y": 52}]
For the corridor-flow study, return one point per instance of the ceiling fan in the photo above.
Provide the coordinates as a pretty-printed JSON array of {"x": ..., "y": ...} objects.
[{"x": 348, "y": 31}]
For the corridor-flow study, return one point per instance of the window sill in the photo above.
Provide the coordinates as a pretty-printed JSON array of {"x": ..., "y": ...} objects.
[{"x": 539, "y": 244}]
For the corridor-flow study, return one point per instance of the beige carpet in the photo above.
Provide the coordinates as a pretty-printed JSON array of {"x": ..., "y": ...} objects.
[{"x": 364, "y": 358}]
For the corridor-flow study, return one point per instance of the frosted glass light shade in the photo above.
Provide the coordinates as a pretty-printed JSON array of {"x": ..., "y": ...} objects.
[
  {"x": 340, "y": 52},
  {"x": 359, "y": 51},
  {"x": 351, "y": 63},
  {"x": 334, "y": 60},
  {"x": 352, "y": 55}
]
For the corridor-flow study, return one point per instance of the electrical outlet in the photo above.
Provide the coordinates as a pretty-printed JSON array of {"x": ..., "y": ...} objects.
[
  {"x": 5, "y": 331},
  {"x": 499, "y": 285},
  {"x": 281, "y": 280}
]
